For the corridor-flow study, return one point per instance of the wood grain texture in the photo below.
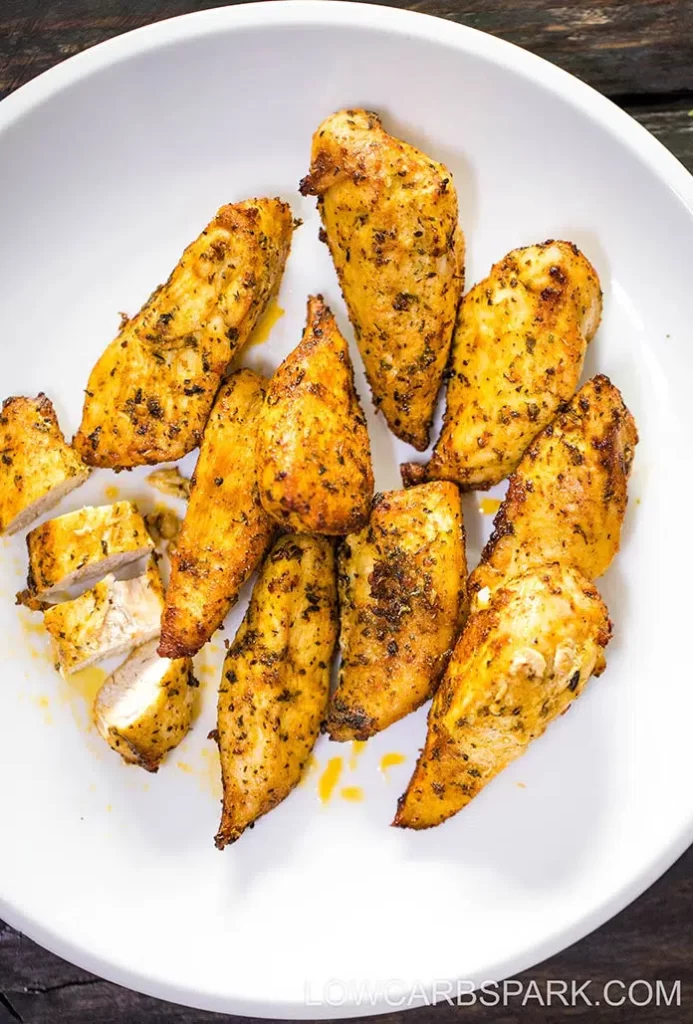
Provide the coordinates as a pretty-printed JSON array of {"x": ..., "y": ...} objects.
[
  {"x": 640, "y": 53},
  {"x": 645, "y": 46}
]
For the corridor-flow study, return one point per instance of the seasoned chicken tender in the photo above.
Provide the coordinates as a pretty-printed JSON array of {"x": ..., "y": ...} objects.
[
  {"x": 150, "y": 393},
  {"x": 144, "y": 709},
  {"x": 390, "y": 219},
  {"x": 567, "y": 499},
  {"x": 226, "y": 531},
  {"x": 275, "y": 681},
  {"x": 518, "y": 665},
  {"x": 517, "y": 355},
  {"x": 313, "y": 452},
  {"x": 111, "y": 619},
  {"x": 401, "y": 593},
  {"x": 37, "y": 466},
  {"x": 83, "y": 546}
]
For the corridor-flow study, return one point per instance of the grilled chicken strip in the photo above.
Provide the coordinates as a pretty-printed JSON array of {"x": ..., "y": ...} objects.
[
  {"x": 517, "y": 355},
  {"x": 81, "y": 547},
  {"x": 567, "y": 499},
  {"x": 37, "y": 466},
  {"x": 401, "y": 594},
  {"x": 144, "y": 709},
  {"x": 226, "y": 531},
  {"x": 150, "y": 393},
  {"x": 390, "y": 219},
  {"x": 111, "y": 619},
  {"x": 313, "y": 452},
  {"x": 275, "y": 682},
  {"x": 518, "y": 665}
]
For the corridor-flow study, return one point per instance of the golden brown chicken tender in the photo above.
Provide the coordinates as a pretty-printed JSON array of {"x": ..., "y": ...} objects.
[
  {"x": 144, "y": 709},
  {"x": 313, "y": 453},
  {"x": 275, "y": 681},
  {"x": 390, "y": 219},
  {"x": 226, "y": 531},
  {"x": 567, "y": 499},
  {"x": 517, "y": 666},
  {"x": 150, "y": 393},
  {"x": 37, "y": 466},
  {"x": 517, "y": 354},
  {"x": 401, "y": 594}
]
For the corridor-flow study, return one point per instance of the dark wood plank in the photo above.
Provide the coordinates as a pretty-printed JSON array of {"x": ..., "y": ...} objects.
[
  {"x": 652, "y": 939},
  {"x": 671, "y": 123},
  {"x": 644, "y": 46}
]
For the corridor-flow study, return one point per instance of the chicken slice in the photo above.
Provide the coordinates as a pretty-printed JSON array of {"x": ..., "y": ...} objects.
[
  {"x": 517, "y": 355},
  {"x": 226, "y": 531},
  {"x": 518, "y": 665},
  {"x": 144, "y": 709},
  {"x": 313, "y": 452},
  {"x": 390, "y": 219},
  {"x": 82, "y": 547},
  {"x": 111, "y": 619},
  {"x": 37, "y": 466},
  {"x": 275, "y": 681},
  {"x": 150, "y": 393},
  {"x": 567, "y": 499},
  {"x": 401, "y": 594}
]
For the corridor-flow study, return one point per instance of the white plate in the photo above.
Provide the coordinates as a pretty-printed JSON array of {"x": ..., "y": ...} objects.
[{"x": 112, "y": 162}]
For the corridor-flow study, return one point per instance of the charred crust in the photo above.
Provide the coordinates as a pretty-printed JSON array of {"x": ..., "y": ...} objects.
[{"x": 346, "y": 722}]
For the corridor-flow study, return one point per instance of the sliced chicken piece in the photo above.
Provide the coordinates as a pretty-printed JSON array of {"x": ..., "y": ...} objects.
[
  {"x": 518, "y": 665},
  {"x": 150, "y": 393},
  {"x": 567, "y": 499},
  {"x": 401, "y": 596},
  {"x": 144, "y": 709},
  {"x": 111, "y": 619},
  {"x": 390, "y": 219},
  {"x": 517, "y": 355},
  {"x": 313, "y": 452},
  {"x": 226, "y": 531},
  {"x": 37, "y": 466},
  {"x": 82, "y": 547},
  {"x": 275, "y": 681}
]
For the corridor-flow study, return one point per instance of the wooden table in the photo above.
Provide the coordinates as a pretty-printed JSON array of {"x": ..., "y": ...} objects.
[{"x": 640, "y": 53}]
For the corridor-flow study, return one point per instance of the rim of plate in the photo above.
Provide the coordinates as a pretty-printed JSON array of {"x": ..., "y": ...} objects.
[{"x": 335, "y": 13}]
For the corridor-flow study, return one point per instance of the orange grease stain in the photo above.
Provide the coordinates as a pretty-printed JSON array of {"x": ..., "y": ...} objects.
[
  {"x": 354, "y": 794},
  {"x": 329, "y": 778},
  {"x": 264, "y": 326},
  {"x": 388, "y": 761},
  {"x": 489, "y": 506},
  {"x": 357, "y": 748}
]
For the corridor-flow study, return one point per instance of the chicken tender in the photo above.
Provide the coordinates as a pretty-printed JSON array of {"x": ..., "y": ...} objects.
[
  {"x": 37, "y": 466},
  {"x": 517, "y": 666},
  {"x": 567, "y": 499},
  {"x": 275, "y": 682},
  {"x": 111, "y": 619},
  {"x": 401, "y": 595},
  {"x": 313, "y": 453},
  {"x": 82, "y": 547},
  {"x": 390, "y": 219},
  {"x": 144, "y": 709},
  {"x": 226, "y": 531},
  {"x": 517, "y": 355},
  {"x": 150, "y": 393}
]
